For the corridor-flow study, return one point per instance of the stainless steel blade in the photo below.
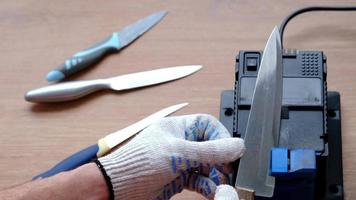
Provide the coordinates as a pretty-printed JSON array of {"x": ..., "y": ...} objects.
[
  {"x": 146, "y": 78},
  {"x": 77, "y": 89},
  {"x": 120, "y": 136},
  {"x": 262, "y": 132},
  {"x": 133, "y": 31}
]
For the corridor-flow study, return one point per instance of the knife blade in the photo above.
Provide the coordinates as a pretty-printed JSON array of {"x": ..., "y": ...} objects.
[
  {"x": 262, "y": 132},
  {"x": 113, "y": 43},
  {"x": 105, "y": 144},
  {"x": 77, "y": 89}
]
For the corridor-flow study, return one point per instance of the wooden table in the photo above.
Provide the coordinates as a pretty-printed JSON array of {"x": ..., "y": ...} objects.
[{"x": 37, "y": 35}]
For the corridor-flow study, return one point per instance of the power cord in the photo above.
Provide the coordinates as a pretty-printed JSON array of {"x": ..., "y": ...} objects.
[{"x": 310, "y": 9}]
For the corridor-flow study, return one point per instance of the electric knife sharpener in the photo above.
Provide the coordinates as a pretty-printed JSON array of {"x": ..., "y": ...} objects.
[{"x": 307, "y": 163}]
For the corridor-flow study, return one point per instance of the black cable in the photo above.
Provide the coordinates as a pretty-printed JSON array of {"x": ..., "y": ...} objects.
[{"x": 309, "y": 9}]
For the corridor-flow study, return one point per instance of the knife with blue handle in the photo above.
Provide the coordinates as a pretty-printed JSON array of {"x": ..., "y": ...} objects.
[
  {"x": 115, "y": 42},
  {"x": 79, "y": 158},
  {"x": 107, "y": 143}
]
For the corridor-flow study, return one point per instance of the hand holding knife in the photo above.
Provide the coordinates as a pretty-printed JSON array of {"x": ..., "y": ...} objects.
[
  {"x": 104, "y": 145},
  {"x": 115, "y": 42}
]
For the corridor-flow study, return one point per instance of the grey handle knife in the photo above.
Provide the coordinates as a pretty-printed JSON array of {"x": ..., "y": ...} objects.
[
  {"x": 76, "y": 89},
  {"x": 113, "y": 43}
]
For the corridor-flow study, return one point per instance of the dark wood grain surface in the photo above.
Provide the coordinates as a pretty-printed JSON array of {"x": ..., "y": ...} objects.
[{"x": 37, "y": 35}]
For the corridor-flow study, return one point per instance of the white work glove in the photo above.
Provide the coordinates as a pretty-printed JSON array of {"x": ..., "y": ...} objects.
[
  {"x": 176, "y": 153},
  {"x": 225, "y": 192}
]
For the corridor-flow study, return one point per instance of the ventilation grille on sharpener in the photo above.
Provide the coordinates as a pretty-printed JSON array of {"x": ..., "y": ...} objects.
[{"x": 310, "y": 64}]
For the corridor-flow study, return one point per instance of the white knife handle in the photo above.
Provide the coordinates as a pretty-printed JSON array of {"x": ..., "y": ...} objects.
[{"x": 66, "y": 91}]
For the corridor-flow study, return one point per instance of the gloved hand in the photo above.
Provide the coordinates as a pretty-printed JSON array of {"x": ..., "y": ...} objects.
[
  {"x": 189, "y": 152},
  {"x": 226, "y": 192}
]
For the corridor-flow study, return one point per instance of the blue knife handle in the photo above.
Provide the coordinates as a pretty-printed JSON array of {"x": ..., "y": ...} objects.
[
  {"x": 85, "y": 58},
  {"x": 80, "y": 158}
]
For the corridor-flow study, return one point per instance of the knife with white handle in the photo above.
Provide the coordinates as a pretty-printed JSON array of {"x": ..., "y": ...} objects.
[{"x": 77, "y": 89}]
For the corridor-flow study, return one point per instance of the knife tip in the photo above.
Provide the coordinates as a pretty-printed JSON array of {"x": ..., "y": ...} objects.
[
  {"x": 179, "y": 106},
  {"x": 198, "y": 66},
  {"x": 162, "y": 13},
  {"x": 54, "y": 75},
  {"x": 195, "y": 68},
  {"x": 183, "y": 104}
]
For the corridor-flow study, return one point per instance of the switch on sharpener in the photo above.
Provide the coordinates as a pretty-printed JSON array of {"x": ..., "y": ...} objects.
[{"x": 251, "y": 63}]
